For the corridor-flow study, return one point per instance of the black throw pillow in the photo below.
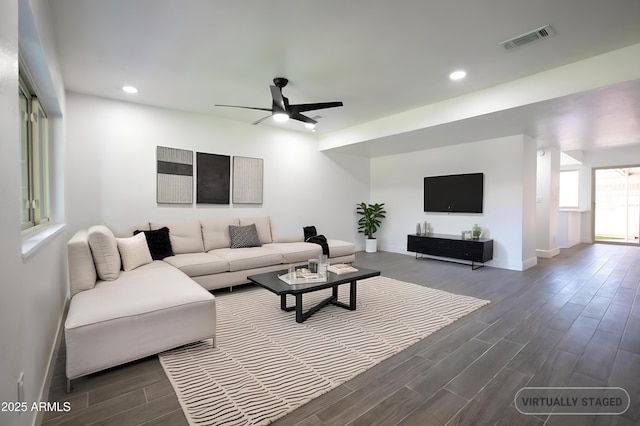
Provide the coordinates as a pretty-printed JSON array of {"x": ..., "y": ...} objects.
[
  {"x": 159, "y": 243},
  {"x": 309, "y": 231}
]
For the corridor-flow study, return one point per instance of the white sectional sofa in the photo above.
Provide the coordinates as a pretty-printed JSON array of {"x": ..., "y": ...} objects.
[
  {"x": 203, "y": 250},
  {"x": 126, "y": 305}
]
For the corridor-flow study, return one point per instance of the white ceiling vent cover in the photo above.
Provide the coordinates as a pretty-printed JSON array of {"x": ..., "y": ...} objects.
[{"x": 529, "y": 37}]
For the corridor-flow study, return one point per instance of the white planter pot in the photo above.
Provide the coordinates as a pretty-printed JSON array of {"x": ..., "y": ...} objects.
[{"x": 372, "y": 245}]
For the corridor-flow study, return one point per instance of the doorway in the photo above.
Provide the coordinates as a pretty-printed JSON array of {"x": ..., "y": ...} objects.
[{"x": 616, "y": 197}]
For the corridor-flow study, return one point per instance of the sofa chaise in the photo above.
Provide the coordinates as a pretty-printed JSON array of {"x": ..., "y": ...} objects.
[{"x": 139, "y": 294}]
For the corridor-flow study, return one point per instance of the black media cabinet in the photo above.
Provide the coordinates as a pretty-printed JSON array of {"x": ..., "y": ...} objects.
[{"x": 452, "y": 246}]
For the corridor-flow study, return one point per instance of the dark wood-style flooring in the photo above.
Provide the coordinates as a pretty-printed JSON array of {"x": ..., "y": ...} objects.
[{"x": 573, "y": 320}]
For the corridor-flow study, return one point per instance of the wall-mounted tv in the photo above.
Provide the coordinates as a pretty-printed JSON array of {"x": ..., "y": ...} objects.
[{"x": 454, "y": 193}]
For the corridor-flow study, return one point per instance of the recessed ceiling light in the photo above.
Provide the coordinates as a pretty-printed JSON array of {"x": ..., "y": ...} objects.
[
  {"x": 457, "y": 75},
  {"x": 129, "y": 89},
  {"x": 310, "y": 125}
]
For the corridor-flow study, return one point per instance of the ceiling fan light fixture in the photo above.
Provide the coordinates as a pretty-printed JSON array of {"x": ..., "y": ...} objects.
[
  {"x": 281, "y": 110},
  {"x": 280, "y": 116},
  {"x": 310, "y": 126}
]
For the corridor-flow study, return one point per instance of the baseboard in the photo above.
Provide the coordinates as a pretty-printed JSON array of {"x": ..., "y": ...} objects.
[
  {"x": 529, "y": 263},
  {"x": 547, "y": 254},
  {"x": 53, "y": 357}
]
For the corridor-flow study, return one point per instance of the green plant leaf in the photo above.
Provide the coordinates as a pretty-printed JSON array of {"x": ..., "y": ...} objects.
[{"x": 370, "y": 221}]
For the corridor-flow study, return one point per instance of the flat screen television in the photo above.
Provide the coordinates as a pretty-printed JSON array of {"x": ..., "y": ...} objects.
[{"x": 454, "y": 193}]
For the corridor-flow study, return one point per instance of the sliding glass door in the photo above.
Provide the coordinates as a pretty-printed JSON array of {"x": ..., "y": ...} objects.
[{"x": 617, "y": 205}]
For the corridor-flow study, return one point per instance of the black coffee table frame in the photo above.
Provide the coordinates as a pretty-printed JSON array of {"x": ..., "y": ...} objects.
[{"x": 271, "y": 282}]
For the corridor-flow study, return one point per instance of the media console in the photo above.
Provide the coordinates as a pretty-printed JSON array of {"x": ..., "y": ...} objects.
[{"x": 452, "y": 246}]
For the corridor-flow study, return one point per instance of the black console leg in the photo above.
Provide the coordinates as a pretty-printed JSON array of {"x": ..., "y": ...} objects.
[{"x": 474, "y": 267}]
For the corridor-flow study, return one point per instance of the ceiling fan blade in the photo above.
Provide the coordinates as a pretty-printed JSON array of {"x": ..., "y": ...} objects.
[
  {"x": 303, "y": 118},
  {"x": 261, "y": 120},
  {"x": 280, "y": 104},
  {"x": 244, "y": 107},
  {"x": 311, "y": 107},
  {"x": 278, "y": 99}
]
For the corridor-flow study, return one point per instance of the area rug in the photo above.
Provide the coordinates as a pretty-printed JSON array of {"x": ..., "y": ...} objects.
[{"x": 265, "y": 364}]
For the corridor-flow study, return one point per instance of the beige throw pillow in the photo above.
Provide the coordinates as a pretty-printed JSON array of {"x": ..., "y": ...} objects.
[
  {"x": 134, "y": 251},
  {"x": 104, "y": 250}
]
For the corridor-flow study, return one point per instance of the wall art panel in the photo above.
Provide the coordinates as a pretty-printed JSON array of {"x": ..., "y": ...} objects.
[
  {"x": 247, "y": 180},
  {"x": 174, "y": 176},
  {"x": 213, "y": 175}
]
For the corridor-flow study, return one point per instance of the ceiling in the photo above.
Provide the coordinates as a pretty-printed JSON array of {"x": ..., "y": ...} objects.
[{"x": 379, "y": 57}]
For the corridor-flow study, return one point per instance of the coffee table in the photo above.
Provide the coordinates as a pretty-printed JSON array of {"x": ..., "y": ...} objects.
[{"x": 271, "y": 282}]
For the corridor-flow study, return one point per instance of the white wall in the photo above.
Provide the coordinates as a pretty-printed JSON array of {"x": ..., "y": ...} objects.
[
  {"x": 569, "y": 228},
  {"x": 509, "y": 165},
  {"x": 528, "y": 174},
  {"x": 547, "y": 205},
  {"x": 12, "y": 348},
  {"x": 33, "y": 289},
  {"x": 112, "y": 168}
]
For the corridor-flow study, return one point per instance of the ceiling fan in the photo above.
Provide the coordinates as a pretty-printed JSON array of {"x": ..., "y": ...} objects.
[{"x": 281, "y": 110}]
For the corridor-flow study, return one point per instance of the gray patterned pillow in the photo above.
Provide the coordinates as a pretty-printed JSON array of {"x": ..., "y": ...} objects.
[{"x": 244, "y": 236}]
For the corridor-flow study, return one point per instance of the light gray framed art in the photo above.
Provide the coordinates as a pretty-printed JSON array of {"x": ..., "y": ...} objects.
[
  {"x": 247, "y": 180},
  {"x": 174, "y": 176}
]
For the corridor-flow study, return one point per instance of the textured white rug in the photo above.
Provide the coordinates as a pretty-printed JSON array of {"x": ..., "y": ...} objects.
[{"x": 265, "y": 364}]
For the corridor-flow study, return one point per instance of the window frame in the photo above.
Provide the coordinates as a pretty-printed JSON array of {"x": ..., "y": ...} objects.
[
  {"x": 35, "y": 167},
  {"x": 577, "y": 189}
]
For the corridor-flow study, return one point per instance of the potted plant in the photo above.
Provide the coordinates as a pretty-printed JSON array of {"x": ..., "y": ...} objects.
[
  {"x": 372, "y": 214},
  {"x": 477, "y": 231}
]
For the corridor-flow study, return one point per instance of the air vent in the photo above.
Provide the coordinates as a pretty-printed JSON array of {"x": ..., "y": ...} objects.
[{"x": 529, "y": 37}]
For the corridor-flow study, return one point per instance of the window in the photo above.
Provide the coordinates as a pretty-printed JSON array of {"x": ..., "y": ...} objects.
[
  {"x": 34, "y": 157},
  {"x": 569, "y": 185}
]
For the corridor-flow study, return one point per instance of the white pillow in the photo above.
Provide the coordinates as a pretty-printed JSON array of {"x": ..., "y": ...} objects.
[
  {"x": 134, "y": 251},
  {"x": 104, "y": 250}
]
